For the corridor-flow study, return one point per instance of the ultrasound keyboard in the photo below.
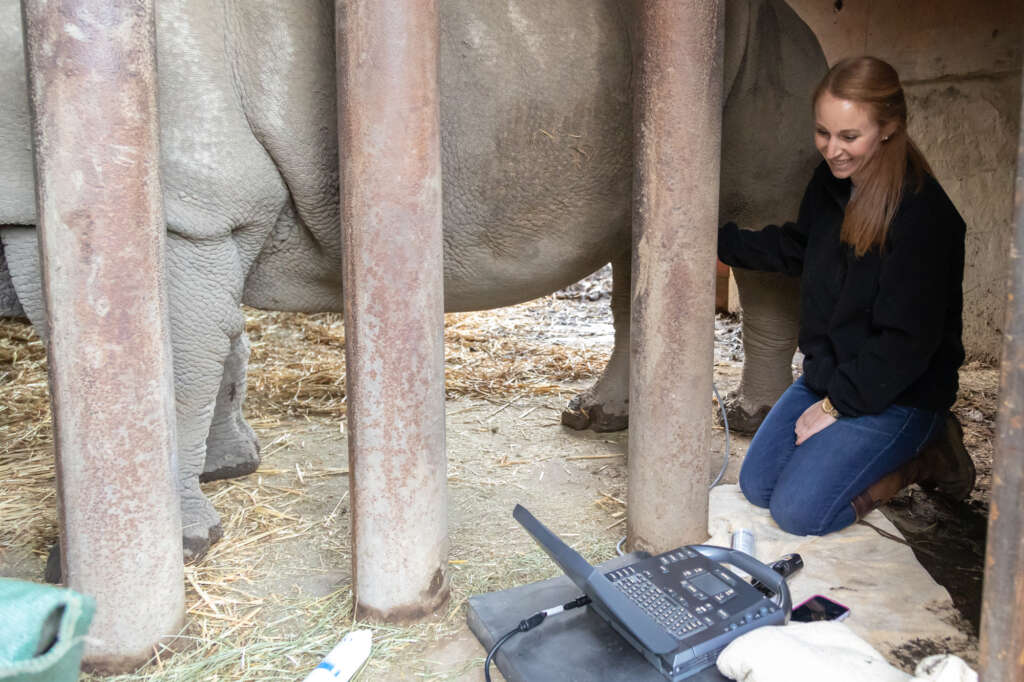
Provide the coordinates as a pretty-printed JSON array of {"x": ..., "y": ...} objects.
[
  {"x": 696, "y": 600},
  {"x": 661, "y": 605}
]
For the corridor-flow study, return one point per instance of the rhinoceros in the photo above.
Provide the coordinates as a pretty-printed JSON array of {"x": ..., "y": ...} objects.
[{"x": 536, "y": 114}]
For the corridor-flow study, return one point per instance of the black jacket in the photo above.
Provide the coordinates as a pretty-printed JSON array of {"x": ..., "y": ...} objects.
[{"x": 877, "y": 330}]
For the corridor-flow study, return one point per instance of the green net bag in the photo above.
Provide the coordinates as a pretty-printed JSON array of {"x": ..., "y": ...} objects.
[{"x": 42, "y": 631}]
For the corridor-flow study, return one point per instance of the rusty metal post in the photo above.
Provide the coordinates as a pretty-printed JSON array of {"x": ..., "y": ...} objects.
[
  {"x": 1002, "y": 607},
  {"x": 677, "y": 123},
  {"x": 389, "y": 136},
  {"x": 92, "y": 83}
]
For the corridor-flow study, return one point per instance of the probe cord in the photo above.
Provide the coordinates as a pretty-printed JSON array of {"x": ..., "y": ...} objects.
[
  {"x": 529, "y": 624},
  {"x": 725, "y": 423}
]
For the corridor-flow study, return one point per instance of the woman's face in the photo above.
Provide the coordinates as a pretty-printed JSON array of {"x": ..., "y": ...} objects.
[{"x": 845, "y": 134}]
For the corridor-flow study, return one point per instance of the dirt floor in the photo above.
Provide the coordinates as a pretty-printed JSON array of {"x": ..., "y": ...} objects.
[{"x": 274, "y": 595}]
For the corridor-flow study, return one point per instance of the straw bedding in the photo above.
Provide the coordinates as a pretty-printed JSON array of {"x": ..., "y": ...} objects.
[{"x": 239, "y": 625}]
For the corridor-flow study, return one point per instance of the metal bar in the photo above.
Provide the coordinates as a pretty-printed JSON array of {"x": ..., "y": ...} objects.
[
  {"x": 1002, "y": 607},
  {"x": 92, "y": 84},
  {"x": 389, "y": 134},
  {"x": 678, "y": 121}
]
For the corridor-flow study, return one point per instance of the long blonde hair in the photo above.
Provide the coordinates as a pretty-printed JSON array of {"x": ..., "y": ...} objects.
[{"x": 874, "y": 84}]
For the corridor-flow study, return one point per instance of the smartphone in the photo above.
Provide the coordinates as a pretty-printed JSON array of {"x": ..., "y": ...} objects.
[{"x": 819, "y": 608}]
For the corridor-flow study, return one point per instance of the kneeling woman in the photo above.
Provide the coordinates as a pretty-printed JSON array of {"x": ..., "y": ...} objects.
[{"x": 879, "y": 248}]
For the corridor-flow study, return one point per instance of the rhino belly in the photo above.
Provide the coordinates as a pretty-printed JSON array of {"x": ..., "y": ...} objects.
[
  {"x": 536, "y": 124},
  {"x": 536, "y": 156}
]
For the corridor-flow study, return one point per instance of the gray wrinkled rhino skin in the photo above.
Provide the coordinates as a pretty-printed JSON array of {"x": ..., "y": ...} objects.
[{"x": 536, "y": 137}]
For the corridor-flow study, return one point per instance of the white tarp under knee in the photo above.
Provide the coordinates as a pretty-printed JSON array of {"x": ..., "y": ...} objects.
[{"x": 895, "y": 605}]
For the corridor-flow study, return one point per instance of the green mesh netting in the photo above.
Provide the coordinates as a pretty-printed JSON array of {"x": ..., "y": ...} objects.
[{"x": 42, "y": 631}]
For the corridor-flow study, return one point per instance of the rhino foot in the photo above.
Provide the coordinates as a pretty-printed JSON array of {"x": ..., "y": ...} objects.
[
  {"x": 742, "y": 420},
  {"x": 232, "y": 448},
  {"x": 194, "y": 546},
  {"x": 231, "y": 457},
  {"x": 580, "y": 415},
  {"x": 200, "y": 523}
]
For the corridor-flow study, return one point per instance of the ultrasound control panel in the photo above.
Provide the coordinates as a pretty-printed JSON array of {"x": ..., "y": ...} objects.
[
  {"x": 699, "y": 601},
  {"x": 678, "y": 609}
]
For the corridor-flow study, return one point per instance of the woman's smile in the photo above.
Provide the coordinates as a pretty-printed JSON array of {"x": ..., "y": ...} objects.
[{"x": 845, "y": 134}]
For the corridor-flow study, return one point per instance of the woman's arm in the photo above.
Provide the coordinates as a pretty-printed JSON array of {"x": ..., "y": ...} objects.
[{"x": 776, "y": 248}]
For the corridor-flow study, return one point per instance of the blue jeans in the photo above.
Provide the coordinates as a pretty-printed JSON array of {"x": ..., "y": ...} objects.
[{"x": 808, "y": 487}]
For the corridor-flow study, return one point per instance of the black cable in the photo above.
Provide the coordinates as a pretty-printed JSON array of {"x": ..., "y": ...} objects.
[
  {"x": 494, "y": 649},
  {"x": 529, "y": 624}
]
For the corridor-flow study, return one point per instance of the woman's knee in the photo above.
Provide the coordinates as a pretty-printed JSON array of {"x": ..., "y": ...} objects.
[
  {"x": 796, "y": 516},
  {"x": 755, "y": 488}
]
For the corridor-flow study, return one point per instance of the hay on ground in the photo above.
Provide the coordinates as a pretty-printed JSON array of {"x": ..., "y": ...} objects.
[{"x": 297, "y": 369}]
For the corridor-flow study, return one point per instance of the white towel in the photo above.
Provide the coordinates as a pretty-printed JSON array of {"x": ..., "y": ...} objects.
[{"x": 812, "y": 652}]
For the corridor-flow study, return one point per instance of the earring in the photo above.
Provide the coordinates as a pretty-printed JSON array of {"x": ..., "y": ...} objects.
[{"x": 885, "y": 139}]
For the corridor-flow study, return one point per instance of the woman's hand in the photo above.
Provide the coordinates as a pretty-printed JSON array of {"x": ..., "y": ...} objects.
[{"x": 813, "y": 419}]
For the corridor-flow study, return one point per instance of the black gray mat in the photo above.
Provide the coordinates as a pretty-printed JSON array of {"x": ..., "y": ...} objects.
[{"x": 575, "y": 646}]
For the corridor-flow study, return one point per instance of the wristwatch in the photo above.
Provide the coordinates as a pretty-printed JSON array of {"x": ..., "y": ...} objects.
[{"x": 828, "y": 408}]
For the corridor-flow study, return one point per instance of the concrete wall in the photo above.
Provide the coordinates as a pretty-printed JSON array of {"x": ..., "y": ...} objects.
[{"x": 960, "y": 63}]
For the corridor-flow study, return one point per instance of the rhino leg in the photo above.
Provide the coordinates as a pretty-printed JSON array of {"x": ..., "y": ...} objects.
[
  {"x": 9, "y": 304},
  {"x": 206, "y": 320},
  {"x": 605, "y": 405},
  {"x": 204, "y": 288},
  {"x": 23, "y": 274},
  {"x": 232, "y": 449},
  {"x": 771, "y": 316}
]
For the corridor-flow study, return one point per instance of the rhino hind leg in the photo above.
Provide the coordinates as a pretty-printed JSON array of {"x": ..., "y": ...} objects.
[
  {"x": 207, "y": 328},
  {"x": 206, "y": 321},
  {"x": 232, "y": 449},
  {"x": 605, "y": 405}
]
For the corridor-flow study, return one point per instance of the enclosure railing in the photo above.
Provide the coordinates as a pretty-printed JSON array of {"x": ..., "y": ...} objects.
[
  {"x": 92, "y": 85},
  {"x": 677, "y": 152},
  {"x": 393, "y": 278},
  {"x": 1002, "y": 608}
]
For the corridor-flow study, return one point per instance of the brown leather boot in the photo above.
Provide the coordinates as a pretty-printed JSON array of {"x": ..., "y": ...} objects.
[
  {"x": 885, "y": 488},
  {"x": 950, "y": 470},
  {"x": 942, "y": 465}
]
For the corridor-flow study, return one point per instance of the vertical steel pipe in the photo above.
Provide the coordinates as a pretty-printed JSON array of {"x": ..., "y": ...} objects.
[
  {"x": 389, "y": 136},
  {"x": 92, "y": 84},
  {"x": 677, "y": 123},
  {"x": 1002, "y": 607}
]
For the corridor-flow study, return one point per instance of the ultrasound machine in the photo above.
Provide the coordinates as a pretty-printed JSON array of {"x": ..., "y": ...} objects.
[{"x": 677, "y": 610}]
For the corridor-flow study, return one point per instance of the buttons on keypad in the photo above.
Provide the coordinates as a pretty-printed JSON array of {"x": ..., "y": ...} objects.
[
  {"x": 674, "y": 617},
  {"x": 726, "y": 577},
  {"x": 664, "y": 589}
]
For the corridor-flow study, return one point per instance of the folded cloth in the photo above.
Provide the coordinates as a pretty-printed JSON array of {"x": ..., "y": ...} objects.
[
  {"x": 824, "y": 650},
  {"x": 944, "y": 668}
]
